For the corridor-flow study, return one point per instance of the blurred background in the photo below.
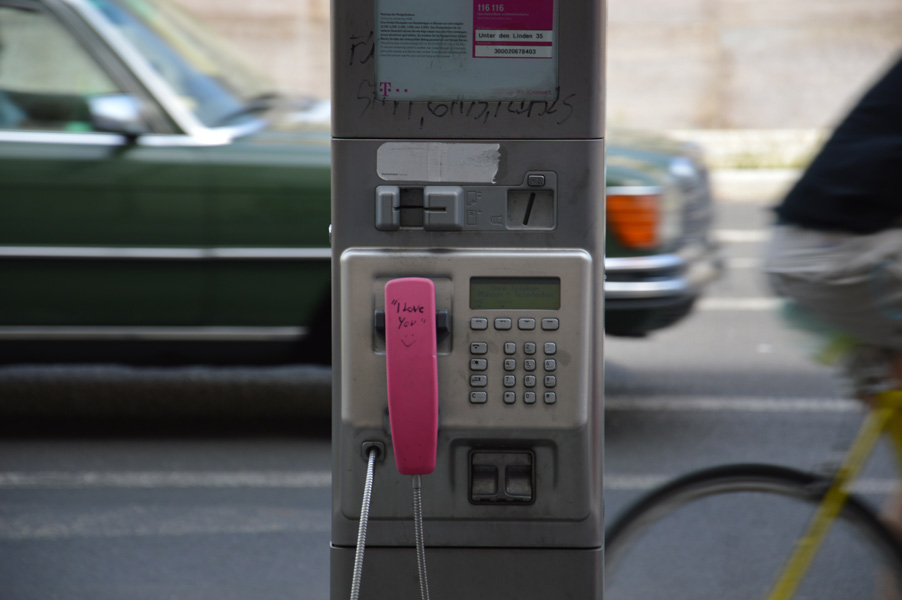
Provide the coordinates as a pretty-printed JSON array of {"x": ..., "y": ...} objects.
[
  {"x": 756, "y": 82},
  {"x": 199, "y": 481}
]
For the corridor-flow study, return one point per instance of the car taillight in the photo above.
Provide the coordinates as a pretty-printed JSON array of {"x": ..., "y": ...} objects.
[{"x": 634, "y": 218}]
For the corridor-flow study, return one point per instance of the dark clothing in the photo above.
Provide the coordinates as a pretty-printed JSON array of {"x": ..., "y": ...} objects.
[{"x": 855, "y": 182}]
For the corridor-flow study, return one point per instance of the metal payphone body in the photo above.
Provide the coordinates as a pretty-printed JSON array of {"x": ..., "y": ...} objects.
[{"x": 468, "y": 149}]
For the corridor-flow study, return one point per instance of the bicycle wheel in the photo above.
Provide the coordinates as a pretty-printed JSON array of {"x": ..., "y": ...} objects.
[{"x": 726, "y": 532}]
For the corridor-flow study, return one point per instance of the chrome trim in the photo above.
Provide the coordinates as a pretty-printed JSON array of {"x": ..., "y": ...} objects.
[
  {"x": 616, "y": 290},
  {"x": 633, "y": 190},
  {"x": 154, "y": 334},
  {"x": 153, "y": 140},
  {"x": 644, "y": 263},
  {"x": 62, "y": 137},
  {"x": 697, "y": 266},
  {"x": 105, "y": 253}
]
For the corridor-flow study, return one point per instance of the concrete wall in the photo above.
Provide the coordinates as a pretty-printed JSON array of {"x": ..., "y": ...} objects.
[
  {"x": 678, "y": 64},
  {"x": 673, "y": 64},
  {"x": 288, "y": 39}
]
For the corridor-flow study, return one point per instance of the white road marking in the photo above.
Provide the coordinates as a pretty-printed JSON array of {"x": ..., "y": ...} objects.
[
  {"x": 151, "y": 520},
  {"x": 738, "y": 404},
  {"x": 741, "y": 236},
  {"x": 739, "y": 304},
  {"x": 644, "y": 483},
  {"x": 743, "y": 262},
  {"x": 164, "y": 479}
]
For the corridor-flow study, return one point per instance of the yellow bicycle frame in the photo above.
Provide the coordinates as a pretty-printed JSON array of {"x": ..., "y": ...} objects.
[{"x": 885, "y": 417}]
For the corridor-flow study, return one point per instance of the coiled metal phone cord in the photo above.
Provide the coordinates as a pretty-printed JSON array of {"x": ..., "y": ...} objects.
[
  {"x": 418, "y": 533},
  {"x": 364, "y": 518}
]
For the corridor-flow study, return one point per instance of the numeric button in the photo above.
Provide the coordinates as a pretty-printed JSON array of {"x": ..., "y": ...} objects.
[{"x": 550, "y": 348}]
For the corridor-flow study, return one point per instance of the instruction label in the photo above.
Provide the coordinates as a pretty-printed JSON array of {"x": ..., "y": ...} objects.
[
  {"x": 447, "y": 51},
  {"x": 513, "y": 29}
]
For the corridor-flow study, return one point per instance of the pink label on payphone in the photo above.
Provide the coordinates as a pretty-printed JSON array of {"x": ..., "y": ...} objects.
[
  {"x": 513, "y": 29},
  {"x": 412, "y": 373}
]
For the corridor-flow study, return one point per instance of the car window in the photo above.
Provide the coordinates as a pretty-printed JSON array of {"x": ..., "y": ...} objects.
[
  {"x": 46, "y": 76},
  {"x": 205, "y": 74}
]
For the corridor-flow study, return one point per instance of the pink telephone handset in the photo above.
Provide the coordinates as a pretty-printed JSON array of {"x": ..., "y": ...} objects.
[{"x": 412, "y": 373}]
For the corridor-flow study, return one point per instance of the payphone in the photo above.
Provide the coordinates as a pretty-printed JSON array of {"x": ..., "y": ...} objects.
[{"x": 467, "y": 245}]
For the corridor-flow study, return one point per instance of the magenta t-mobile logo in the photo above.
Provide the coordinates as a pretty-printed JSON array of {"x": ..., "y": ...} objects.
[{"x": 385, "y": 88}]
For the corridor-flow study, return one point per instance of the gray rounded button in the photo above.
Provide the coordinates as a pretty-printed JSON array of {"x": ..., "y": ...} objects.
[
  {"x": 526, "y": 323},
  {"x": 503, "y": 323}
]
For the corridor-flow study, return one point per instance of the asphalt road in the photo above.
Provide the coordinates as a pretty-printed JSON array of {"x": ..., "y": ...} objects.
[{"x": 188, "y": 508}]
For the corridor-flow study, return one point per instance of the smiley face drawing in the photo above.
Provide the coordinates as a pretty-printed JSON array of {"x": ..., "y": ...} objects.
[{"x": 409, "y": 338}]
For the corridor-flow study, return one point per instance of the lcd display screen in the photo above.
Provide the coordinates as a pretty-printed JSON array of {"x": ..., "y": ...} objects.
[
  {"x": 466, "y": 51},
  {"x": 515, "y": 293}
]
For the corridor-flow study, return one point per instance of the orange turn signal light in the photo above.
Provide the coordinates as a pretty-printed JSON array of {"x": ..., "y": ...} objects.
[{"x": 634, "y": 219}]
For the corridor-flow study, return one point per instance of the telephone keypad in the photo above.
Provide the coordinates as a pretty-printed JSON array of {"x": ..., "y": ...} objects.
[{"x": 534, "y": 385}]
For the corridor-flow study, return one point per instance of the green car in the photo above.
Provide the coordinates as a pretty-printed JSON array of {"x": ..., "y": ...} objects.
[{"x": 161, "y": 202}]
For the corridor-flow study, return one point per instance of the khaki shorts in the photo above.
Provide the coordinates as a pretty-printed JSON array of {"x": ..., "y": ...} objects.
[{"x": 850, "y": 282}]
